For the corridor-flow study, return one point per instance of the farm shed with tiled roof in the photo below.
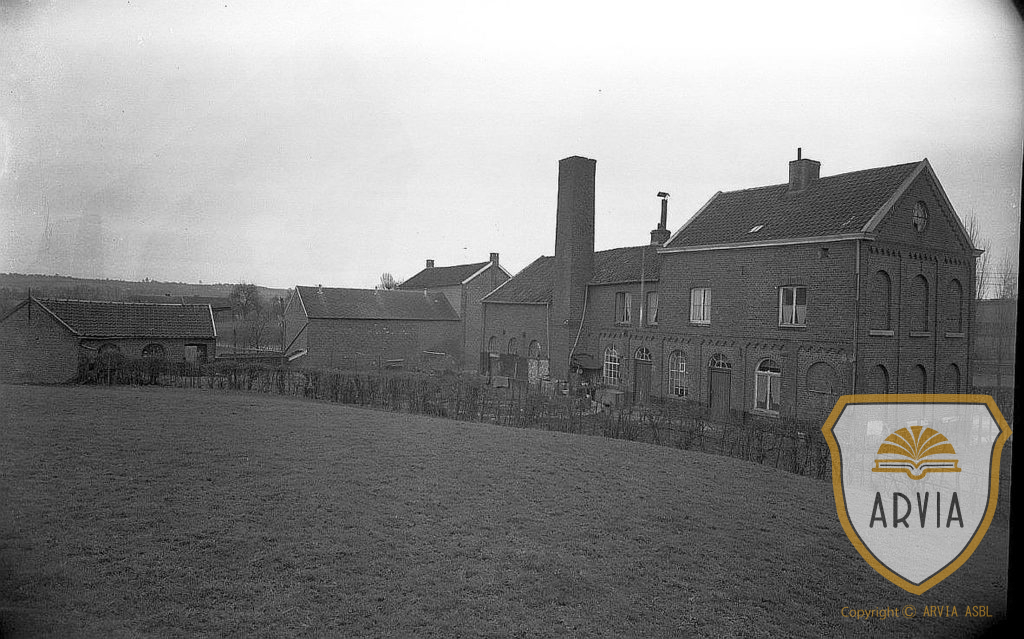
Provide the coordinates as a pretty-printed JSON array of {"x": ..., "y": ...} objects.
[
  {"x": 362, "y": 328},
  {"x": 44, "y": 340}
]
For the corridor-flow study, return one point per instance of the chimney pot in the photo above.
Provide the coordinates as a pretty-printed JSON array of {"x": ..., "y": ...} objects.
[
  {"x": 494, "y": 259},
  {"x": 430, "y": 263},
  {"x": 660, "y": 235}
]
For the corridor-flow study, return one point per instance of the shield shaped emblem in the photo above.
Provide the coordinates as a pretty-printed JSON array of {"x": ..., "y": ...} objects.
[{"x": 916, "y": 480}]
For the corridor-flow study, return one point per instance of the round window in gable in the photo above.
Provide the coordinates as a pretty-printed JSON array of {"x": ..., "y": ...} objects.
[{"x": 920, "y": 216}]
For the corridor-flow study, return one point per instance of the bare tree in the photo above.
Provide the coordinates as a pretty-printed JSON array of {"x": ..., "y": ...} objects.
[
  {"x": 1005, "y": 317},
  {"x": 388, "y": 282},
  {"x": 250, "y": 313},
  {"x": 983, "y": 273},
  {"x": 1006, "y": 279}
]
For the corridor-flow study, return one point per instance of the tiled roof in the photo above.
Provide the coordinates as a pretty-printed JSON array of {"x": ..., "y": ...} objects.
[
  {"x": 532, "y": 285},
  {"x": 362, "y": 303},
  {"x": 129, "y": 319},
  {"x": 833, "y": 205},
  {"x": 437, "y": 276},
  {"x": 535, "y": 283},
  {"x": 624, "y": 265},
  {"x": 216, "y": 302}
]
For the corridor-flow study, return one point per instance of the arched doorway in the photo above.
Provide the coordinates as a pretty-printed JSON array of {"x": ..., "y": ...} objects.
[
  {"x": 642, "y": 366},
  {"x": 719, "y": 385}
]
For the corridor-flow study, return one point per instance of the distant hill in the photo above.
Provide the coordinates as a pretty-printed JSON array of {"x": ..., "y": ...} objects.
[{"x": 14, "y": 287}]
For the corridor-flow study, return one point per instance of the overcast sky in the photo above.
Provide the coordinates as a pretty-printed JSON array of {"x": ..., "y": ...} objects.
[{"x": 324, "y": 143}]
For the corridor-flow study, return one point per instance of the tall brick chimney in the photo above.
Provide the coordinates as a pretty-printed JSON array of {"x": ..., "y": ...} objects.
[
  {"x": 802, "y": 172},
  {"x": 661, "y": 234},
  {"x": 574, "y": 256}
]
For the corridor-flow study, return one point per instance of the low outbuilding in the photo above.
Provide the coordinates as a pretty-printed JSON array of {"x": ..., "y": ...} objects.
[{"x": 47, "y": 340}]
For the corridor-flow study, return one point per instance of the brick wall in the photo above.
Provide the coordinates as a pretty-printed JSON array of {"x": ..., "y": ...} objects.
[
  {"x": 174, "y": 349},
  {"x": 359, "y": 343},
  {"x": 472, "y": 313},
  {"x": 35, "y": 348},
  {"x": 936, "y": 256},
  {"x": 525, "y": 322}
]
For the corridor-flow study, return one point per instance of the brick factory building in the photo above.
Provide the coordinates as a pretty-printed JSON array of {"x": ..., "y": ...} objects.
[
  {"x": 45, "y": 341},
  {"x": 355, "y": 329},
  {"x": 772, "y": 300}
]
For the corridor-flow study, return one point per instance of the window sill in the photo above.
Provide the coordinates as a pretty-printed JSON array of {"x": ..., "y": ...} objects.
[
  {"x": 793, "y": 327},
  {"x": 920, "y": 333},
  {"x": 695, "y": 323},
  {"x": 764, "y": 412},
  {"x": 879, "y": 333},
  {"x": 956, "y": 335}
]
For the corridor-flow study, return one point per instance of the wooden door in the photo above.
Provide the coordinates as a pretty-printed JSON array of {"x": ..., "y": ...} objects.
[
  {"x": 720, "y": 391},
  {"x": 641, "y": 382}
]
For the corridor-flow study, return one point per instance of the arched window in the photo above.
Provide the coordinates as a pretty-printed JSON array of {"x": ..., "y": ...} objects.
[
  {"x": 535, "y": 349},
  {"x": 642, "y": 354},
  {"x": 881, "y": 301},
  {"x": 719, "y": 361},
  {"x": 918, "y": 379},
  {"x": 154, "y": 351},
  {"x": 492, "y": 344},
  {"x": 955, "y": 306},
  {"x": 953, "y": 378},
  {"x": 767, "y": 386},
  {"x": 822, "y": 378},
  {"x": 513, "y": 346},
  {"x": 611, "y": 366},
  {"x": 677, "y": 386},
  {"x": 919, "y": 304},
  {"x": 880, "y": 382}
]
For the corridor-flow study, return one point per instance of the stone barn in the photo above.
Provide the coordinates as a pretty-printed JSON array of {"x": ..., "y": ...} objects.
[
  {"x": 354, "y": 329},
  {"x": 43, "y": 341}
]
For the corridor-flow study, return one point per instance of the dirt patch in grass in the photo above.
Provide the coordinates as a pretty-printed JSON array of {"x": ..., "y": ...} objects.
[{"x": 131, "y": 511}]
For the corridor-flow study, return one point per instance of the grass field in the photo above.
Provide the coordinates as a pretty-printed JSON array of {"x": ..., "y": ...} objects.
[{"x": 146, "y": 511}]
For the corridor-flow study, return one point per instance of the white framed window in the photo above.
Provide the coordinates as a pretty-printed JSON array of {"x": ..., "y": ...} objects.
[
  {"x": 651, "y": 318},
  {"x": 767, "y": 386},
  {"x": 793, "y": 306},
  {"x": 612, "y": 361},
  {"x": 623, "y": 308},
  {"x": 700, "y": 305},
  {"x": 720, "y": 362},
  {"x": 677, "y": 382}
]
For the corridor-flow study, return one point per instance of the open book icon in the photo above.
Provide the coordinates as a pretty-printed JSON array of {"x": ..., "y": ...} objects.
[{"x": 911, "y": 450}]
